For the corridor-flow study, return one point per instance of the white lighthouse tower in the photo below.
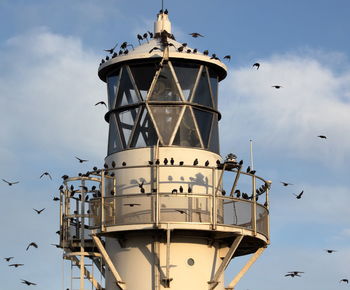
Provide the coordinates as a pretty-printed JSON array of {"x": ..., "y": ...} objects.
[{"x": 157, "y": 216}]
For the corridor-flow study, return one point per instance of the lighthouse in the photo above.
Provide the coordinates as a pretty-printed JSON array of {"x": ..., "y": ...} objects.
[{"x": 166, "y": 211}]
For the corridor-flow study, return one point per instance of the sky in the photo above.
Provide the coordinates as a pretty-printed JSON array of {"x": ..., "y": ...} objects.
[{"x": 49, "y": 56}]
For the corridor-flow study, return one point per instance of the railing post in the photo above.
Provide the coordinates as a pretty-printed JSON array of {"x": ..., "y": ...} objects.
[
  {"x": 102, "y": 200},
  {"x": 254, "y": 205}
]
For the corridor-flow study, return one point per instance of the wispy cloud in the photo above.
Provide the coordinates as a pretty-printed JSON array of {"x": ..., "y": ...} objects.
[{"x": 49, "y": 89}]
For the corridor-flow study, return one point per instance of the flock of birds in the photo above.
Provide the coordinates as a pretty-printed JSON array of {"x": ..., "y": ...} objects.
[{"x": 164, "y": 43}]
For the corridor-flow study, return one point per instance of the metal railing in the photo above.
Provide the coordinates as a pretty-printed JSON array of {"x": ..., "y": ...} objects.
[{"x": 211, "y": 207}]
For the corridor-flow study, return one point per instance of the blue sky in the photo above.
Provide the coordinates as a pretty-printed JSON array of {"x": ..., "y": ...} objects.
[{"x": 49, "y": 56}]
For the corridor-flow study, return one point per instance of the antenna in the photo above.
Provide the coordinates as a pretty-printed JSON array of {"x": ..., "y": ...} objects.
[
  {"x": 251, "y": 155},
  {"x": 163, "y": 5}
]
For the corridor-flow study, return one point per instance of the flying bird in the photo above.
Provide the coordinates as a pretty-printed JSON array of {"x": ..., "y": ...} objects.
[
  {"x": 277, "y": 87},
  {"x": 8, "y": 259},
  {"x": 16, "y": 265},
  {"x": 57, "y": 246},
  {"x": 32, "y": 244},
  {"x": 344, "y": 280},
  {"x": 81, "y": 160},
  {"x": 298, "y": 196},
  {"x": 39, "y": 211},
  {"x": 195, "y": 34},
  {"x": 330, "y": 251},
  {"x": 322, "y": 136},
  {"x": 112, "y": 49},
  {"x": 101, "y": 103},
  {"x": 228, "y": 57},
  {"x": 292, "y": 275},
  {"x": 286, "y": 183},
  {"x": 257, "y": 65},
  {"x": 10, "y": 183},
  {"x": 27, "y": 282}
]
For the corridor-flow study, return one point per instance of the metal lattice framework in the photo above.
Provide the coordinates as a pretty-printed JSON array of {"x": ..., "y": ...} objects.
[{"x": 166, "y": 101}]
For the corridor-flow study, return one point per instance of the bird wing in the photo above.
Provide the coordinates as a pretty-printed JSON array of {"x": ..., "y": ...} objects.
[{"x": 6, "y": 181}]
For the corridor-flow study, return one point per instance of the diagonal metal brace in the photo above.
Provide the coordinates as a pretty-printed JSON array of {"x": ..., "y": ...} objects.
[
  {"x": 251, "y": 261},
  {"x": 109, "y": 262},
  {"x": 214, "y": 282},
  {"x": 88, "y": 275}
]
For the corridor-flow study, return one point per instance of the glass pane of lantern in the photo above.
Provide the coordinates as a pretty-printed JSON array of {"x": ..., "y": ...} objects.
[
  {"x": 186, "y": 75},
  {"x": 165, "y": 88},
  {"x": 214, "y": 136},
  {"x": 126, "y": 91},
  {"x": 127, "y": 120},
  {"x": 204, "y": 120},
  {"x": 202, "y": 94},
  {"x": 165, "y": 118},
  {"x": 187, "y": 134},
  {"x": 114, "y": 141},
  {"x": 112, "y": 85},
  {"x": 214, "y": 86},
  {"x": 145, "y": 134},
  {"x": 143, "y": 75}
]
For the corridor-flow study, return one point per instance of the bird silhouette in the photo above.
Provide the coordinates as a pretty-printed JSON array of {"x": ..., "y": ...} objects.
[
  {"x": 165, "y": 161},
  {"x": 39, "y": 211},
  {"x": 16, "y": 265},
  {"x": 112, "y": 49},
  {"x": 330, "y": 251},
  {"x": 257, "y": 65},
  {"x": 8, "y": 259},
  {"x": 172, "y": 161},
  {"x": 195, "y": 50},
  {"x": 296, "y": 272},
  {"x": 46, "y": 174},
  {"x": 28, "y": 282},
  {"x": 55, "y": 198},
  {"x": 101, "y": 103},
  {"x": 228, "y": 57},
  {"x": 81, "y": 160},
  {"x": 57, "y": 246},
  {"x": 238, "y": 193},
  {"x": 181, "y": 189},
  {"x": 195, "y": 162},
  {"x": 174, "y": 191},
  {"x": 322, "y": 136},
  {"x": 181, "y": 163},
  {"x": 124, "y": 163},
  {"x": 286, "y": 183},
  {"x": 113, "y": 164},
  {"x": 292, "y": 275},
  {"x": 195, "y": 34},
  {"x": 65, "y": 177},
  {"x": 132, "y": 204},
  {"x": 145, "y": 36},
  {"x": 155, "y": 48},
  {"x": 248, "y": 169},
  {"x": 139, "y": 38},
  {"x": 206, "y": 52},
  {"x": 32, "y": 244},
  {"x": 180, "y": 49},
  {"x": 206, "y": 163},
  {"x": 277, "y": 87},
  {"x": 150, "y": 34},
  {"x": 157, "y": 162},
  {"x": 10, "y": 183},
  {"x": 298, "y": 196},
  {"x": 344, "y": 280},
  {"x": 189, "y": 190},
  {"x": 252, "y": 172}
]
